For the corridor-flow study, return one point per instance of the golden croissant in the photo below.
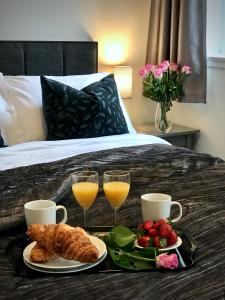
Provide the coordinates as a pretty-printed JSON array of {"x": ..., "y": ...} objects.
[
  {"x": 40, "y": 254},
  {"x": 66, "y": 241}
]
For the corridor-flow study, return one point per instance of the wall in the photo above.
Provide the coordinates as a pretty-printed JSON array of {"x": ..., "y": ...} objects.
[
  {"x": 209, "y": 117},
  {"x": 99, "y": 20}
]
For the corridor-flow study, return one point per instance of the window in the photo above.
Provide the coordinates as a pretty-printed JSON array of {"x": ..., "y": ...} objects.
[{"x": 216, "y": 28}]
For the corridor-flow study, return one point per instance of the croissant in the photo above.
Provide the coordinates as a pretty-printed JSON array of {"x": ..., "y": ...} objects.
[
  {"x": 66, "y": 241},
  {"x": 40, "y": 254}
]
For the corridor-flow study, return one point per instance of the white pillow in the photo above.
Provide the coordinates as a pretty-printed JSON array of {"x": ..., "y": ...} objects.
[
  {"x": 21, "y": 119},
  {"x": 9, "y": 126},
  {"x": 21, "y": 113}
]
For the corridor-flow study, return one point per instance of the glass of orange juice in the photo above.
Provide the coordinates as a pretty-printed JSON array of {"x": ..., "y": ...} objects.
[
  {"x": 85, "y": 189},
  {"x": 116, "y": 185}
]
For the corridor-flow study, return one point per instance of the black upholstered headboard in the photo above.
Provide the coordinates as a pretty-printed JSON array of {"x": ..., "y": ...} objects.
[{"x": 48, "y": 58}]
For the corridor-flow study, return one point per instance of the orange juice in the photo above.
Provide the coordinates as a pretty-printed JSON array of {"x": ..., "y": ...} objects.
[
  {"x": 85, "y": 193},
  {"x": 116, "y": 192}
]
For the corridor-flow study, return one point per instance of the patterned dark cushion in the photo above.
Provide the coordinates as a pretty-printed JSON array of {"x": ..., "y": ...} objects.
[
  {"x": 1, "y": 142},
  {"x": 91, "y": 112}
]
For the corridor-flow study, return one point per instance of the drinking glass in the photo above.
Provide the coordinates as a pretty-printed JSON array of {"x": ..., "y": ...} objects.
[
  {"x": 116, "y": 185},
  {"x": 85, "y": 189}
]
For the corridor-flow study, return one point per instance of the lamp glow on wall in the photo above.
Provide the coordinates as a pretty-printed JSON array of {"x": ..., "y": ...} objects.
[{"x": 123, "y": 78}]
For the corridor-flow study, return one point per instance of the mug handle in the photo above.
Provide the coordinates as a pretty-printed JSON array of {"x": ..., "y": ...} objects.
[
  {"x": 65, "y": 213},
  {"x": 180, "y": 213}
]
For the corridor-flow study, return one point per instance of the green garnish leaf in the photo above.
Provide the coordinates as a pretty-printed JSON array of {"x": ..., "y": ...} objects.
[
  {"x": 120, "y": 246},
  {"x": 122, "y": 236},
  {"x": 150, "y": 252},
  {"x": 142, "y": 265}
]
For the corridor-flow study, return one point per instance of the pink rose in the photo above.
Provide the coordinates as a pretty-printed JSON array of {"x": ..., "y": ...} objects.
[
  {"x": 186, "y": 69},
  {"x": 173, "y": 66},
  {"x": 166, "y": 63},
  {"x": 158, "y": 73},
  {"x": 169, "y": 261},
  {"x": 150, "y": 67},
  {"x": 143, "y": 72},
  {"x": 163, "y": 67}
]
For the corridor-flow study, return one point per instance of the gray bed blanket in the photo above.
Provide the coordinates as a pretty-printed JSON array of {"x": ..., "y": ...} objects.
[{"x": 196, "y": 180}]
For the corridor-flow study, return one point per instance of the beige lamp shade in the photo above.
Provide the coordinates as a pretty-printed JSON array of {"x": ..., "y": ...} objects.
[{"x": 123, "y": 78}]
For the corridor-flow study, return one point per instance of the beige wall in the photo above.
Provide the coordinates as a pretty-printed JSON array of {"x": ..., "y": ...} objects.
[
  {"x": 209, "y": 117},
  {"x": 125, "y": 21}
]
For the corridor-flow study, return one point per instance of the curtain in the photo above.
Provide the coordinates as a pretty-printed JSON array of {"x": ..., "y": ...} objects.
[{"x": 177, "y": 32}]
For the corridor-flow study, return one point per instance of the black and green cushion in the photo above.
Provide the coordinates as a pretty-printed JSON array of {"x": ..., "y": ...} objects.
[{"x": 91, "y": 112}]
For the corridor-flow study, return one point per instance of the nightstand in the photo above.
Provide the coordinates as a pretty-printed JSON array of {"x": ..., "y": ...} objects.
[{"x": 179, "y": 135}]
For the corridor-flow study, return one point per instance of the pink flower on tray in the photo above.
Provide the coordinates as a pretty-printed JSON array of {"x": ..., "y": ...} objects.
[
  {"x": 158, "y": 73},
  {"x": 186, "y": 69},
  {"x": 173, "y": 66},
  {"x": 168, "y": 261}
]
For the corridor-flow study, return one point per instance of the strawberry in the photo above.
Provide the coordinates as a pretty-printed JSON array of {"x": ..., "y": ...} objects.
[
  {"x": 159, "y": 223},
  {"x": 159, "y": 242},
  {"x": 147, "y": 225},
  {"x": 144, "y": 241},
  {"x": 156, "y": 242},
  {"x": 165, "y": 230},
  {"x": 172, "y": 238},
  {"x": 153, "y": 232}
]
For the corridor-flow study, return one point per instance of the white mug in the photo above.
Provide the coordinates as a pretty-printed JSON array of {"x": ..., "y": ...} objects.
[
  {"x": 42, "y": 212},
  {"x": 157, "y": 206}
]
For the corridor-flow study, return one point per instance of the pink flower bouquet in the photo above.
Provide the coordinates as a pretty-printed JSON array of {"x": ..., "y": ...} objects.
[{"x": 164, "y": 82}]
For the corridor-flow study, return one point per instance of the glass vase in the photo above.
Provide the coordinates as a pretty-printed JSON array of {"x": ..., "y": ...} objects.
[{"x": 162, "y": 123}]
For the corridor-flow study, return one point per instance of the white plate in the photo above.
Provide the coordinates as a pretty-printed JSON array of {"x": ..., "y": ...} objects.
[
  {"x": 61, "y": 265},
  {"x": 171, "y": 247},
  {"x": 66, "y": 270}
]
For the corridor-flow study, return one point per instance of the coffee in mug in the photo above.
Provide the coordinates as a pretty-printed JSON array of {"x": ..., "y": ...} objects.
[
  {"x": 157, "y": 206},
  {"x": 42, "y": 212}
]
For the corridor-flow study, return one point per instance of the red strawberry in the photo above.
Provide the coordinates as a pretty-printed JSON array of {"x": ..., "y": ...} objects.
[
  {"x": 147, "y": 225},
  {"x": 172, "y": 238},
  {"x": 153, "y": 232},
  {"x": 156, "y": 242},
  {"x": 159, "y": 223},
  {"x": 144, "y": 241},
  {"x": 159, "y": 242},
  {"x": 165, "y": 230}
]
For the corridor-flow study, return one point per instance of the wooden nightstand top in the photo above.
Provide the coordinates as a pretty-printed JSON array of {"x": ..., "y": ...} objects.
[{"x": 175, "y": 131}]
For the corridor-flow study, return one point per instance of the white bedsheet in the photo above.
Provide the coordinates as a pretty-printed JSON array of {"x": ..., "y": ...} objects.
[{"x": 46, "y": 151}]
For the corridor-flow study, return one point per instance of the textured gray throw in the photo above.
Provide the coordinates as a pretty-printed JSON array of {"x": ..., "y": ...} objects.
[{"x": 197, "y": 181}]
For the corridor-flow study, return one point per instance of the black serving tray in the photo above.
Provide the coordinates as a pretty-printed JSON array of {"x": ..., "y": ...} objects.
[
  {"x": 14, "y": 252},
  {"x": 185, "y": 252}
]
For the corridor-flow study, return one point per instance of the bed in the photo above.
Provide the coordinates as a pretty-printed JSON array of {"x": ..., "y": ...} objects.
[{"x": 41, "y": 170}]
